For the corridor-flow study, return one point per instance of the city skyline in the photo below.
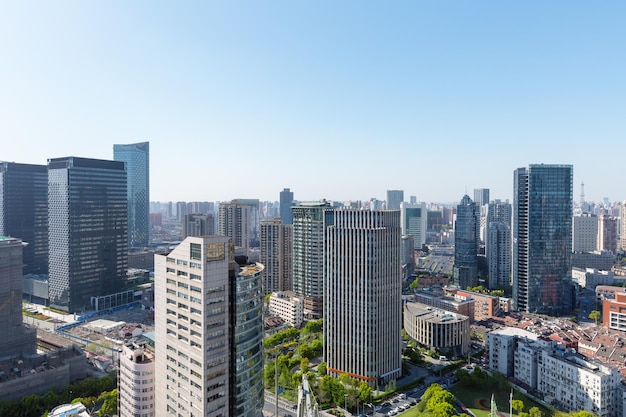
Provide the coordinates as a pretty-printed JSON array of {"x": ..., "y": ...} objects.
[{"x": 380, "y": 96}]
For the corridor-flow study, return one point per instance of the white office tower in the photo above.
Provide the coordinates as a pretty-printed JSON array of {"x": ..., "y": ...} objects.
[
  {"x": 362, "y": 303},
  {"x": 136, "y": 380},
  {"x": 585, "y": 233},
  {"x": 498, "y": 243},
  {"x": 209, "y": 329},
  {"x": 414, "y": 222}
]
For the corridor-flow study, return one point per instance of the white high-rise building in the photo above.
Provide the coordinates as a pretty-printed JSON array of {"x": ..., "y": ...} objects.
[
  {"x": 585, "y": 233},
  {"x": 209, "y": 328},
  {"x": 277, "y": 255},
  {"x": 362, "y": 303},
  {"x": 414, "y": 221},
  {"x": 136, "y": 381},
  {"x": 498, "y": 250}
]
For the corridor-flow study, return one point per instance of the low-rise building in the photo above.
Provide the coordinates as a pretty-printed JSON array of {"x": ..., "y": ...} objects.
[
  {"x": 485, "y": 306},
  {"x": 287, "y": 306},
  {"x": 614, "y": 312},
  {"x": 442, "y": 330},
  {"x": 449, "y": 303},
  {"x": 502, "y": 343},
  {"x": 590, "y": 277}
]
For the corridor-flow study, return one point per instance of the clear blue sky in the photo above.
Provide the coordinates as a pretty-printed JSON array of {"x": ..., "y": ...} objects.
[{"x": 340, "y": 100}]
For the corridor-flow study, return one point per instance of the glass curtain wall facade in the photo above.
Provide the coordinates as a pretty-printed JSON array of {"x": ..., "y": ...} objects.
[
  {"x": 87, "y": 223},
  {"x": 542, "y": 239},
  {"x": 137, "y": 158},
  {"x": 24, "y": 211}
]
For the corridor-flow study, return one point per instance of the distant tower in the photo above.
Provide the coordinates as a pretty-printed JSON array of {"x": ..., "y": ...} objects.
[
  {"x": 234, "y": 223},
  {"x": 466, "y": 241},
  {"x": 498, "y": 243},
  {"x": 198, "y": 225},
  {"x": 137, "y": 159},
  {"x": 414, "y": 222},
  {"x": 481, "y": 196},
  {"x": 277, "y": 255},
  {"x": 310, "y": 220},
  {"x": 542, "y": 239},
  {"x": 582, "y": 193},
  {"x": 585, "y": 232},
  {"x": 24, "y": 211},
  {"x": 16, "y": 339},
  {"x": 286, "y": 201},
  {"x": 607, "y": 233},
  {"x": 362, "y": 302},
  {"x": 394, "y": 198},
  {"x": 88, "y": 235}
]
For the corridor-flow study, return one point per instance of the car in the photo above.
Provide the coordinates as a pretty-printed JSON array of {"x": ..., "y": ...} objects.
[
  {"x": 395, "y": 400},
  {"x": 386, "y": 404}
]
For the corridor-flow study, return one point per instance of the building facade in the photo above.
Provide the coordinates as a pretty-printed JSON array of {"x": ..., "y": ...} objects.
[
  {"x": 585, "y": 232},
  {"x": 466, "y": 242},
  {"x": 24, "y": 211},
  {"x": 287, "y": 306},
  {"x": 446, "y": 332},
  {"x": 607, "y": 233},
  {"x": 208, "y": 321},
  {"x": 234, "y": 222},
  {"x": 88, "y": 234},
  {"x": 198, "y": 225},
  {"x": 277, "y": 255},
  {"x": 394, "y": 198},
  {"x": 286, "y": 201},
  {"x": 414, "y": 218},
  {"x": 137, "y": 159},
  {"x": 362, "y": 302},
  {"x": 136, "y": 385},
  {"x": 498, "y": 244},
  {"x": 481, "y": 196},
  {"x": 310, "y": 220},
  {"x": 542, "y": 239}
]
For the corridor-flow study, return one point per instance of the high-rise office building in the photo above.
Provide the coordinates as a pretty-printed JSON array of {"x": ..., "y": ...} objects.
[
  {"x": 24, "y": 211},
  {"x": 498, "y": 243},
  {"x": 198, "y": 225},
  {"x": 622, "y": 225},
  {"x": 394, "y": 198},
  {"x": 209, "y": 327},
  {"x": 277, "y": 255},
  {"x": 286, "y": 201},
  {"x": 136, "y": 380},
  {"x": 234, "y": 223},
  {"x": 88, "y": 240},
  {"x": 16, "y": 338},
  {"x": 607, "y": 233},
  {"x": 362, "y": 303},
  {"x": 254, "y": 220},
  {"x": 542, "y": 239},
  {"x": 310, "y": 220},
  {"x": 137, "y": 159},
  {"x": 466, "y": 241},
  {"x": 585, "y": 232},
  {"x": 414, "y": 219},
  {"x": 481, "y": 196}
]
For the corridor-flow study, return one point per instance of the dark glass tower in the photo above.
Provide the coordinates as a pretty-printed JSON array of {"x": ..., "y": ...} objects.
[
  {"x": 24, "y": 211},
  {"x": 542, "y": 239},
  {"x": 137, "y": 158},
  {"x": 286, "y": 201},
  {"x": 88, "y": 241},
  {"x": 466, "y": 240}
]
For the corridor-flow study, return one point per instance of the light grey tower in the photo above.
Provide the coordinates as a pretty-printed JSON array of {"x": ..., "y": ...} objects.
[
  {"x": 199, "y": 225},
  {"x": 394, "y": 198},
  {"x": 481, "y": 196},
  {"x": 414, "y": 219},
  {"x": 88, "y": 241},
  {"x": 277, "y": 255},
  {"x": 137, "y": 159},
  {"x": 24, "y": 211},
  {"x": 542, "y": 239},
  {"x": 362, "y": 303},
  {"x": 234, "y": 222},
  {"x": 310, "y": 220},
  {"x": 286, "y": 201},
  {"x": 209, "y": 327},
  {"x": 466, "y": 241},
  {"x": 498, "y": 244}
]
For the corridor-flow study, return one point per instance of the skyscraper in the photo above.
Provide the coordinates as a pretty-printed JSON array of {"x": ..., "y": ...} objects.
[
  {"x": 24, "y": 211},
  {"x": 466, "y": 241},
  {"x": 209, "y": 324},
  {"x": 414, "y": 219},
  {"x": 394, "y": 198},
  {"x": 542, "y": 239},
  {"x": 498, "y": 244},
  {"x": 481, "y": 196},
  {"x": 585, "y": 232},
  {"x": 277, "y": 255},
  {"x": 607, "y": 233},
  {"x": 16, "y": 339},
  {"x": 286, "y": 201},
  {"x": 234, "y": 223},
  {"x": 198, "y": 225},
  {"x": 87, "y": 223},
  {"x": 362, "y": 303},
  {"x": 137, "y": 159},
  {"x": 310, "y": 220}
]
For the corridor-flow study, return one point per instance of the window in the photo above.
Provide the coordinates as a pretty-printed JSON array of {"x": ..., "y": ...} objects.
[{"x": 195, "y": 251}]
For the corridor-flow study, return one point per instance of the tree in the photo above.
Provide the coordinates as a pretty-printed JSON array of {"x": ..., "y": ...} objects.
[
  {"x": 535, "y": 412},
  {"x": 321, "y": 369},
  {"x": 414, "y": 284},
  {"x": 444, "y": 410},
  {"x": 582, "y": 413},
  {"x": 30, "y": 405},
  {"x": 441, "y": 396},
  {"x": 365, "y": 391},
  {"x": 304, "y": 365},
  {"x": 595, "y": 316},
  {"x": 518, "y": 405}
]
